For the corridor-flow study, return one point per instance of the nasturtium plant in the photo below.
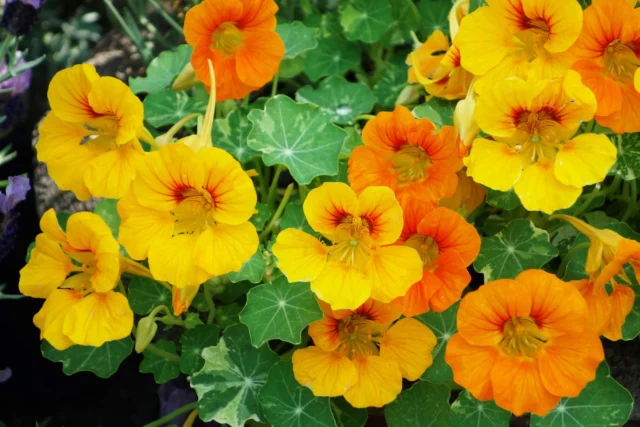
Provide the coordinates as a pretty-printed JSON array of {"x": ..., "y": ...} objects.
[
  {"x": 444, "y": 327},
  {"x": 162, "y": 70},
  {"x": 466, "y": 411},
  {"x": 102, "y": 361},
  {"x": 365, "y": 20},
  {"x": 332, "y": 57}
]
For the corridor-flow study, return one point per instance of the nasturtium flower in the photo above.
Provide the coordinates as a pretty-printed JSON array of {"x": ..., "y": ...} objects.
[
  {"x": 407, "y": 155},
  {"x": 360, "y": 262},
  {"x": 606, "y": 56},
  {"x": 436, "y": 66},
  {"x": 76, "y": 271},
  {"x": 468, "y": 196},
  {"x": 90, "y": 141},
  {"x": 608, "y": 253},
  {"x": 447, "y": 244},
  {"x": 524, "y": 343},
  {"x": 188, "y": 213},
  {"x": 523, "y": 38},
  {"x": 533, "y": 124},
  {"x": 464, "y": 122},
  {"x": 239, "y": 38},
  {"x": 363, "y": 355},
  {"x": 459, "y": 10}
]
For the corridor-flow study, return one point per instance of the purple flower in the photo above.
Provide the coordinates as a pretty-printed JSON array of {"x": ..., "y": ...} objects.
[
  {"x": 35, "y": 3},
  {"x": 5, "y": 374},
  {"x": 19, "y": 83},
  {"x": 15, "y": 193},
  {"x": 173, "y": 395},
  {"x": 20, "y": 15}
]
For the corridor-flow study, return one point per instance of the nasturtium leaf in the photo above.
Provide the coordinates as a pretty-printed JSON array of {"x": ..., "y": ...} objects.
[
  {"x": 106, "y": 209},
  {"x": 467, "y": 411},
  {"x": 365, "y": 20},
  {"x": 260, "y": 218},
  {"x": 162, "y": 70},
  {"x": 444, "y": 326},
  {"x": 518, "y": 247},
  {"x": 193, "y": 342},
  {"x": 439, "y": 111},
  {"x": 233, "y": 373},
  {"x": 288, "y": 404},
  {"x": 297, "y": 38},
  {"x": 299, "y": 136},
  {"x": 145, "y": 294},
  {"x": 628, "y": 163},
  {"x": 291, "y": 67},
  {"x": 475, "y": 4},
  {"x": 631, "y": 327},
  {"x": 343, "y": 100},
  {"x": 393, "y": 80},
  {"x": 354, "y": 139},
  {"x": 167, "y": 107},
  {"x": 507, "y": 200},
  {"x": 494, "y": 224},
  {"x": 102, "y": 361},
  {"x": 163, "y": 369},
  {"x": 279, "y": 310},
  {"x": 293, "y": 217},
  {"x": 192, "y": 320},
  {"x": 424, "y": 404},
  {"x": 346, "y": 415},
  {"x": 328, "y": 23},
  {"x": 231, "y": 133},
  {"x": 563, "y": 237},
  {"x": 332, "y": 57},
  {"x": 233, "y": 291},
  {"x": 252, "y": 270},
  {"x": 406, "y": 18},
  {"x": 227, "y": 315},
  {"x": 435, "y": 16},
  {"x": 603, "y": 402}
]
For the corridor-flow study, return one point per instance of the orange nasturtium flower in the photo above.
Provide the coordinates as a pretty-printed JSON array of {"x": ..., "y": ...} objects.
[
  {"x": 188, "y": 213},
  {"x": 518, "y": 38},
  {"x": 362, "y": 355},
  {"x": 76, "y": 271},
  {"x": 407, "y": 155},
  {"x": 90, "y": 139},
  {"x": 608, "y": 253},
  {"x": 436, "y": 66},
  {"x": 524, "y": 343},
  {"x": 447, "y": 244},
  {"x": 607, "y": 56},
  {"x": 239, "y": 37},
  {"x": 360, "y": 261},
  {"x": 468, "y": 196},
  {"x": 533, "y": 123}
]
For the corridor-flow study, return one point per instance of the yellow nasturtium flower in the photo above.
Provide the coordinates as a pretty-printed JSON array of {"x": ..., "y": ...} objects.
[
  {"x": 76, "y": 271},
  {"x": 518, "y": 38},
  {"x": 533, "y": 152},
  {"x": 360, "y": 262},
  {"x": 90, "y": 139}
]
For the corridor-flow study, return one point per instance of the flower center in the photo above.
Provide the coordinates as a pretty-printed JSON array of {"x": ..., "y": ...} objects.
[
  {"x": 227, "y": 38},
  {"x": 411, "y": 163},
  {"x": 620, "y": 60},
  {"x": 194, "y": 211},
  {"x": 521, "y": 337},
  {"x": 359, "y": 336},
  {"x": 426, "y": 246},
  {"x": 538, "y": 124}
]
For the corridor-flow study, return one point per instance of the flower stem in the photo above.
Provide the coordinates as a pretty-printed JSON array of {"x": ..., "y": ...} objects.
[
  {"x": 364, "y": 117},
  {"x": 162, "y": 353},
  {"x": 274, "y": 85},
  {"x": 171, "y": 415},
  {"x": 278, "y": 214},
  {"x": 274, "y": 185},
  {"x": 631, "y": 200},
  {"x": 264, "y": 192},
  {"x": 302, "y": 192},
  {"x": 212, "y": 306}
]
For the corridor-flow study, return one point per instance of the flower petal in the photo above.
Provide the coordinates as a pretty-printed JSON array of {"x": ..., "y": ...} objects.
[
  {"x": 69, "y": 93},
  {"x": 50, "y": 318},
  {"x": 379, "y": 382},
  {"x": 46, "y": 270},
  {"x": 172, "y": 259},
  {"x": 324, "y": 373},
  {"x": 259, "y": 56},
  {"x": 393, "y": 270},
  {"x": 301, "y": 257},
  {"x": 383, "y": 213},
  {"x": 471, "y": 366},
  {"x": 494, "y": 164},
  {"x": 622, "y": 299},
  {"x": 326, "y": 206},
  {"x": 585, "y": 160},
  {"x": 221, "y": 249},
  {"x": 110, "y": 174},
  {"x": 410, "y": 344},
  {"x": 341, "y": 286},
  {"x": 540, "y": 190}
]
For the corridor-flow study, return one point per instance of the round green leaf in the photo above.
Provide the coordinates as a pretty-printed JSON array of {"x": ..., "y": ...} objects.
[
  {"x": 106, "y": 209},
  {"x": 233, "y": 374},
  {"x": 167, "y": 107},
  {"x": 293, "y": 217},
  {"x": 603, "y": 402},
  {"x": 252, "y": 270},
  {"x": 227, "y": 315},
  {"x": 332, "y": 57},
  {"x": 288, "y": 404},
  {"x": 365, "y": 20},
  {"x": 518, "y": 247},
  {"x": 279, "y": 310},
  {"x": 193, "y": 342},
  {"x": 328, "y": 23},
  {"x": 297, "y": 38},
  {"x": 346, "y": 415},
  {"x": 467, "y": 411},
  {"x": 439, "y": 111},
  {"x": 391, "y": 84},
  {"x": 507, "y": 200},
  {"x": 424, "y": 404},
  {"x": 435, "y": 16},
  {"x": 260, "y": 218},
  {"x": 162, "y": 368},
  {"x": 343, "y": 100},
  {"x": 162, "y": 70},
  {"x": 145, "y": 294},
  {"x": 102, "y": 361},
  {"x": 231, "y": 134},
  {"x": 354, "y": 139},
  {"x": 628, "y": 163},
  {"x": 406, "y": 18},
  {"x": 299, "y": 136},
  {"x": 444, "y": 326}
]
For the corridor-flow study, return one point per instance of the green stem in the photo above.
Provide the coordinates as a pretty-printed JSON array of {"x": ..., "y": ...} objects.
[
  {"x": 364, "y": 117},
  {"x": 161, "y": 353},
  {"x": 274, "y": 185},
  {"x": 278, "y": 214},
  {"x": 586, "y": 205},
  {"x": 264, "y": 192},
  {"x": 590, "y": 126},
  {"x": 245, "y": 102},
  {"x": 121, "y": 288},
  {"x": 302, "y": 192},
  {"x": 565, "y": 261},
  {"x": 171, "y": 415},
  {"x": 169, "y": 320},
  {"x": 274, "y": 85},
  {"x": 631, "y": 201},
  {"x": 166, "y": 16},
  {"x": 212, "y": 306}
]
